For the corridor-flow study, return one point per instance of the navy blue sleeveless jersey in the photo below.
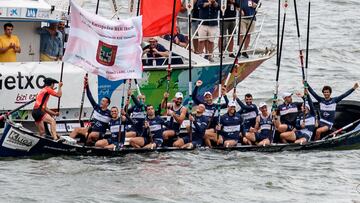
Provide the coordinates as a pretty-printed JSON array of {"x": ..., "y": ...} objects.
[
  {"x": 265, "y": 128},
  {"x": 248, "y": 114},
  {"x": 231, "y": 126},
  {"x": 309, "y": 119},
  {"x": 114, "y": 126},
  {"x": 288, "y": 113}
]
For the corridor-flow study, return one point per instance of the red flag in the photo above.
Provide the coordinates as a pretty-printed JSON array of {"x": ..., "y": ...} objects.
[{"x": 157, "y": 16}]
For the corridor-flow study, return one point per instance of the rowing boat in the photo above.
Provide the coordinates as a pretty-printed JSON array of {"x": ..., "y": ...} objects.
[{"x": 20, "y": 141}]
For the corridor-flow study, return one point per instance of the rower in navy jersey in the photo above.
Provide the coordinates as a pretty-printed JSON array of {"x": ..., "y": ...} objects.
[
  {"x": 137, "y": 113},
  {"x": 199, "y": 124},
  {"x": 100, "y": 120},
  {"x": 114, "y": 125},
  {"x": 230, "y": 126},
  {"x": 248, "y": 112},
  {"x": 288, "y": 112},
  {"x": 305, "y": 124},
  {"x": 176, "y": 112},
  {"x": 328, "y": 107},
  {"x": 211, "y": 111},
  {"x": 152, "y": 133},
  {"x": 262, "y": 133}
]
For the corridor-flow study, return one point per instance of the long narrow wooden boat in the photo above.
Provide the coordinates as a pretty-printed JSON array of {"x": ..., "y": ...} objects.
[{"x": 19, "y": 141}]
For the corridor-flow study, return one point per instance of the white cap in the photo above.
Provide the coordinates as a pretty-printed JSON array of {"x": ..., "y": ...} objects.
[
  {"x": 286, "y": 94},
  {"x": 207, "y": 93},
  {"x": 179, "y": 95},
  {"x": 232, "y": 104},
  {"x": 262, "y": 104}
]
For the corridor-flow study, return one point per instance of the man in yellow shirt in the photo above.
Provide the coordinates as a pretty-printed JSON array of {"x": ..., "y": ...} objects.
[{"x": 9, "y": 44}]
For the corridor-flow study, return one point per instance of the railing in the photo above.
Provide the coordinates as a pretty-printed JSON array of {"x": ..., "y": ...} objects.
[{"x": 255, "y": 35}]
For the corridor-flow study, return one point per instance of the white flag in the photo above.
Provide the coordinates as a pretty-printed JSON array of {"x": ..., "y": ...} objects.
[{"x": 105, "y": 47}]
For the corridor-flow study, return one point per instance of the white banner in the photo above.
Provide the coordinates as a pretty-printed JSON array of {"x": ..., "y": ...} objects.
[
  {"x": 20, "y": 82},
  {"x": 105, "y": 47}
]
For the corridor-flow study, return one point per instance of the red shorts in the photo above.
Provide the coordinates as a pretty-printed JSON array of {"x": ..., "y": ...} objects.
[{"x": 38, "y": 115}]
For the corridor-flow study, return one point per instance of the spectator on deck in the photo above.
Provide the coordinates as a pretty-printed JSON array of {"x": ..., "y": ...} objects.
[
  {"x": 9, "y": 44},
  {"x": 61, "y": 28},
  {"x": 155, "y": 50},
  {"x": 208, "y": 9},
  {"x": 247, "y": 11},
  {"x": 229, "y": 25},
  {"x": 194, "y": 25},
  {"x": 178, "y": 38},
  {"x": 51, "y": 43}
]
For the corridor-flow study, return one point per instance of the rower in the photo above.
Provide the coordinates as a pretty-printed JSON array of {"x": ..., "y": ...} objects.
[
  {"x": 177, "y": 113},
  {"x": 305, "y": 124},
  {"x": 113, "y": 141},
  {"x": 41, "y": 113},
  {"x": 199, "y": 124},
  {"x": 100, "y": 120},
  {"x": 248, "y": 112},
  {"x": 211, "y": 111},
  {"x": 328, "y": 107},
  {"x": 137, "y": 115},
  {"x": 230, "y": 126},
  {"x": 288, "y": 112},
  {"x": 262, "y": 133},
  {"x": 152, "y": 136}
]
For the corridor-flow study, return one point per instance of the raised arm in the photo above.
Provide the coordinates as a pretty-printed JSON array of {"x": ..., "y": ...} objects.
[
  {"x": 194, "y": 95},
  {"x": 313, "y": 93},
  {"x": 89, "y": 95},
  {"x": 347, "y": 93}
]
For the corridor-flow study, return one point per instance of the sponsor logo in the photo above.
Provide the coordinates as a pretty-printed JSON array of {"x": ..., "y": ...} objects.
[
  {"x": 43, "y": 14},
  {"x": 14, "y": 12},
  {"x": 21, "y": 82},
  {"x": 19, "y": 141},
  {"x": 106, "y": 54},
  {"x": 31, "y": 12}
]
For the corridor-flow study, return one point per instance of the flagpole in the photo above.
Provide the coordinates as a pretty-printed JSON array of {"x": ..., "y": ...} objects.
[{"x": 97, "y": 7}]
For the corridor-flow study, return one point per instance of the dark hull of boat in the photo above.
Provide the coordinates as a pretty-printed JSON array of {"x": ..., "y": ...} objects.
[{"x": 17, "y": 141}]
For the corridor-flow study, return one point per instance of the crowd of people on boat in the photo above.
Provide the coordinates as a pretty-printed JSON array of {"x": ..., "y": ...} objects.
[
  {"x": 205, "y": 25},
  {"x": 172, "y": 124}
]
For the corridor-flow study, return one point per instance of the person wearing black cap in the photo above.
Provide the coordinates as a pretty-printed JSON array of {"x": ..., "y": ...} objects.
[{"x": 40, "y": 111}]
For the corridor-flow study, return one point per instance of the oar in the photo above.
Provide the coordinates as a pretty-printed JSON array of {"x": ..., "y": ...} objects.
[
  {"x": 239, "y": 25},
  {"x": 222, "y": 8},
  {"x": 170, "y": 51},
  {"x": 82, "y": 102},
  {"x": 2, "y": 117},
  {"x": 278, "y": 62},
  {"x": 189, "y": 8},
  {"x": 307, "y": 45},
  {"x": 242, "y": 43},
  {"x": 301, "y": 55},
  {"x": 128, "y": 97},
  {"x": 62, "y": 62},
  {"x": 332, "y": 135},
  {"x": 121, "y": 108},
  {"x": 235, "y": 80}
]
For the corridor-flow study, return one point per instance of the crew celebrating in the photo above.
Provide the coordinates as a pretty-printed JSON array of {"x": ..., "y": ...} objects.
[
  {"x": 328, "y": 107},
  {"x": 100, "y": 120},
  {"x": 211, "y": 111},
  {"x": 305, "y": 124},
  {"x": 263, "y": 131},
  {"x": 230, "y": 126}
]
